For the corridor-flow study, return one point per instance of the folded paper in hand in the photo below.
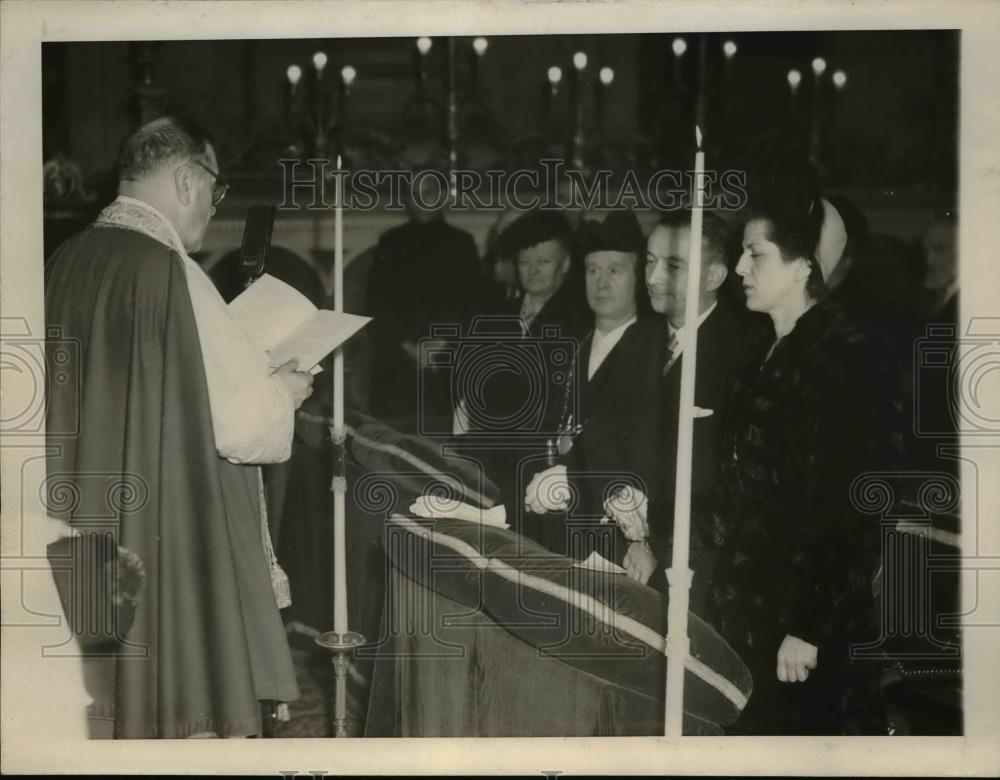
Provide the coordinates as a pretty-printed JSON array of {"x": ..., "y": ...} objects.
[
  {"x": 286, "y": 325},
  {"x": 597, "y": 562},
  {"x": 452, "y": 509}
]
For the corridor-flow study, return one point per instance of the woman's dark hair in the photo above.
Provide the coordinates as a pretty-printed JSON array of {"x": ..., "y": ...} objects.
[{"x": 787, "y": 198}]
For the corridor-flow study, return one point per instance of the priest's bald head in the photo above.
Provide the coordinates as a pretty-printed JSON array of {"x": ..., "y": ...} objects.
[{"x": 170, "y": 164}]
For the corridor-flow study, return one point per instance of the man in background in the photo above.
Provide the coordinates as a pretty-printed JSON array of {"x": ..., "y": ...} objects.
[{"x": 424, "y": 273}]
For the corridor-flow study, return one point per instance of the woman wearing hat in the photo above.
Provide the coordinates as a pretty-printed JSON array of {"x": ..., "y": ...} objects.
[{"x": 818, "y": 406}]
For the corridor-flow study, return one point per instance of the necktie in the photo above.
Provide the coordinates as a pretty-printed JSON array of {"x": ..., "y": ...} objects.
[{"x": 673, "y": 351}]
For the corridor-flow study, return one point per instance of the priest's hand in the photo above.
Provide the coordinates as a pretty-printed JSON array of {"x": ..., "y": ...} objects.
[
  {"x": 299, "y": 383},
  {"x": 639, "y": 562},
  {"x": 796, "y": 658},
  {"x": 548, "y": 491},
  {"x": 628, "y": 508}
]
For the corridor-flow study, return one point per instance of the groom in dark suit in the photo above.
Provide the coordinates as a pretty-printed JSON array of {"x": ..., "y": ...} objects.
[{"x": 725, "y": 334}]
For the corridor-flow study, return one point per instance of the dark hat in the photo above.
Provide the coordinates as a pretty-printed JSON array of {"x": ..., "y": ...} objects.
[
  {"x": 619, "y": 232},
  {"x": 534, "y": 228}
]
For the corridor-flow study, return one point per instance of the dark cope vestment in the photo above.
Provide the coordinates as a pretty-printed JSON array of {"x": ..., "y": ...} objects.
[{"x": 207, "y": 642}]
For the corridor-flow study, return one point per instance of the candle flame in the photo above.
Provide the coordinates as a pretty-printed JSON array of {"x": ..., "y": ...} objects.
[
  {"x": 339, "y": 166},
  {"x": 697, "y": 136}
]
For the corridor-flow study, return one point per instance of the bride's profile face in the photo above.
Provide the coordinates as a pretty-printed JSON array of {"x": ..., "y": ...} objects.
[{"x": 769, "y": 280}]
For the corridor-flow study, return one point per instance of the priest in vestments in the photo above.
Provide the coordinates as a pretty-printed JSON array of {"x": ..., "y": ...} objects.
[{"x": 153, "y": 431}]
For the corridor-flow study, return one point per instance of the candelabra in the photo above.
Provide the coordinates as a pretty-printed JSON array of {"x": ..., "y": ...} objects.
[
  {"x": 820, "y": 109},
  {"x": 318, "y": 123},
  {"x": 150, "y": 96},
  {"x": 584, "y": 128},
  {"x": 460, "y": 108}
]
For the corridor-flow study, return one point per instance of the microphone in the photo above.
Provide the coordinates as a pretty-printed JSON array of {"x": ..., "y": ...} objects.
[{"x": 256, "y": 242}]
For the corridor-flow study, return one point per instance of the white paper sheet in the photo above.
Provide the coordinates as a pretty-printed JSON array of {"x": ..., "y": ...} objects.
[
  {"x": 597, "y": 562},
  {"x": 285, "y": 324}
]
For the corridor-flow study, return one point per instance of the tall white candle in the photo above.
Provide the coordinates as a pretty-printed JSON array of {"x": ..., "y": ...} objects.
[
  {"x": 339, "y": 509},
  {"x": 679, "y": 575}
]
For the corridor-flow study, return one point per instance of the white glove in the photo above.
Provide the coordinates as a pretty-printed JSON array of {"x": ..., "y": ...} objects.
[
  {"x": 548, "y": 491},
  {"x": 627, "y": 507}
]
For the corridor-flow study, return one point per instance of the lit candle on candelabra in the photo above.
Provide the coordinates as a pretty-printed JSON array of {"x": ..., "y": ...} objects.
[
  {"x": 579, "y": 65},
  {"x": 423, "y": 48},
  {"x": 347, "y": 76},
  {"x": 555, "y": 77},
  {"x": 729, "y": 50},
  {"x": 319, "y": 64},
  {"x": 679, "y": 46},
  {"x": 679, "y": 574},
  {"x": 794, "y": 79},
  {"x": 479, "y": 47},
  {"x": 839, "y": 79},
  {"x": 339, "y": 507},
  {"x": 818, "y": 68},
  {"x": 606, "y": 78},
  {"x": 294, "y": 75}
]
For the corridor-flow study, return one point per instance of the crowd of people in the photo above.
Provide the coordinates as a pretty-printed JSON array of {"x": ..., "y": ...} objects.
[
  {"x": 565, "y": 351},
  {"x": 804, "y": 383}
]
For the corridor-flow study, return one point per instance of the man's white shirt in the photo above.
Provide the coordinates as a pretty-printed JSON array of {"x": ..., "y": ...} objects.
[{"x": 601, "y": 345}]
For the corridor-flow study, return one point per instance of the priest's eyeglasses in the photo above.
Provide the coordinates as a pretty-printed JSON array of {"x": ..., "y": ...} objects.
[{"x": 220, "y": 187}]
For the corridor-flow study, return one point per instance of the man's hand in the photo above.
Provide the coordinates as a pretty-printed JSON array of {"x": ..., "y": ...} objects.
[
  {"x": 627, "y": 507},
  {"x": 299, "y": 383},
  {"x": 639, "y": 563},
  {"x": 795, "y": 658},
  {"x": 548, "y": 491}
]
